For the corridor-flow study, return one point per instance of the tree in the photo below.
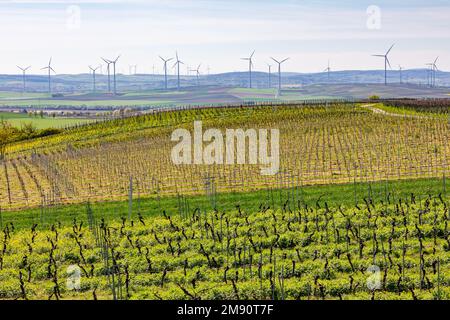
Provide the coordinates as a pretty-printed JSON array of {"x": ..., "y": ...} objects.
[{"x": 7, "y": 134}]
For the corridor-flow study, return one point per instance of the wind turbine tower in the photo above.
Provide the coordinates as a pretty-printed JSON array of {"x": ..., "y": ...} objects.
[
  {"x": 24, "y": 70},
  {"x": 279, "y": 73},
  {"x": 270, "y": 75},
  {"x": 432, "y": 72},
  {"x": 177, "y": 64},
  {"x": 165, "y": 70},
  {"x": 386, "y": 62},
  {"x": 114, "y": 73},
  {"x": 50, "y": 69},
  {"x": 327, "y": 70},
  {"x": 108, "y": 70},
  {"x": 94, "y": 70},
  {"x": 197, "y": 71},
  {"x": 250, "y": 65}
]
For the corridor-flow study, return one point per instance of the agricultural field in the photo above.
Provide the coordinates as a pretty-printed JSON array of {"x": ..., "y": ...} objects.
[
  {"x": 41, "y": 122},
  {"x": 358, "y": 210},
  {"x": 318, "y": 145}
]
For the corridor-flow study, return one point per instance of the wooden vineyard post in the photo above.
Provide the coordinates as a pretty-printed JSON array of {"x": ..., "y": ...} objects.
[
  {"x": 443, "y": 184},
  {"x": 130, "y": 199}
]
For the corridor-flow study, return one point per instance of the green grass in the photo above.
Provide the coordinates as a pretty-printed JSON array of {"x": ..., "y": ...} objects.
[
  {"x": 5, "y": 95},
  {"x": 18, "y": 119},
  {"x": 254, "y": 91},
  {"x": 77, "y": 103},
  {"x": 345, "y": 195}
]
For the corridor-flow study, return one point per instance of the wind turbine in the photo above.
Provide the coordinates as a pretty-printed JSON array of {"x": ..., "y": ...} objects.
[
  {"x": 108, "y": 69},
  {"x": 114, "y": 72},
  {"x": 433, "y": 69},
  {"x": 50, "y": 69},
  {"x": 165, "y": 70},
  {"x": 93, "y": 74},
  {"x": 279, "y": 73},
  {"x": 24, "y": 70},
  {"x": 177, "y": 64},
  {"x": 270, "y": 75},
  {"x": 386, "y": 62},
  {"x": 132, "y": 67},
  {"x": 197, "y": 71},
  {"x": 327, "y": 70},
  {"x": 250, "y": 65}
]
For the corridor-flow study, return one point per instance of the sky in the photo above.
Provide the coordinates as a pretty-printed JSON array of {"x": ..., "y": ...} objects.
[{"x": 218, "y": 33}]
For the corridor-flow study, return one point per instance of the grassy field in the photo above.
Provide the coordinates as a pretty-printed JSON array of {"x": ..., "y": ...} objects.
[
  {"x": 18, "y": 119},
  {"x": 7, "y": 95},
  {"x": 88, "y": 103}
]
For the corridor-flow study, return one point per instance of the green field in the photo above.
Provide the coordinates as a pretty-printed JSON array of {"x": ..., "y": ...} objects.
[
  {"x": 37, "y": 103},
  {"x": 8, "y": 95},
  {"x": 385, "y": 248},
  {"x": 18, "y": 119}
]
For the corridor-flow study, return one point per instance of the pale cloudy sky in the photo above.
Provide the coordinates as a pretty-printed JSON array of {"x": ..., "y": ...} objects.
[{"x": 217, "y": 33}]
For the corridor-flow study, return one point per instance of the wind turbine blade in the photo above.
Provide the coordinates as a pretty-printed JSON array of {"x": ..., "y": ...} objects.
[
  {"x": 50, "y": 61},
  {"x": 390, "y": 49},
  {"x": 436, "y": 60},
  {"x": 378, "y": 55},
  {"x": 162, "y": 58},
  {"x": 52, "y": 70},
  {"x": 389, "y": 64},
  {"x": 284, "y": 60},
  {"x": 275, "y": 60},
  {"x": 27, "y": 68},
  {"x": 251, "y": 56},
  {"x": 117, "y": 58}
]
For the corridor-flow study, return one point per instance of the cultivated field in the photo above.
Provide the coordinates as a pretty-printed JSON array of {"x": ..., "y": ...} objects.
[
  {"x": 318, "y": 145},
  {"x": 375, "y": 251},
  {"x": 40, "y": 122}
]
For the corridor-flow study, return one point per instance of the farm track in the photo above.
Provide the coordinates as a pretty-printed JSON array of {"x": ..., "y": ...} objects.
[{"x": 392, "y": 114}]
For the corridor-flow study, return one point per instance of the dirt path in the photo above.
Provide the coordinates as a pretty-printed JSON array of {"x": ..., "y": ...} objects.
[{"x": 380, "y": 111}]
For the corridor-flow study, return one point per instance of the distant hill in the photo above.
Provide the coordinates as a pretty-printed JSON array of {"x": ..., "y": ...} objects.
[{"x": 83, "y": 82}]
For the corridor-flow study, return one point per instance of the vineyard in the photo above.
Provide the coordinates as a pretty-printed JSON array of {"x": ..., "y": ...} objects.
[
  {"x": 320, "y": 144},
  {"x": 358, "y": 210},
  {"x": 382, "y": 250}
]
